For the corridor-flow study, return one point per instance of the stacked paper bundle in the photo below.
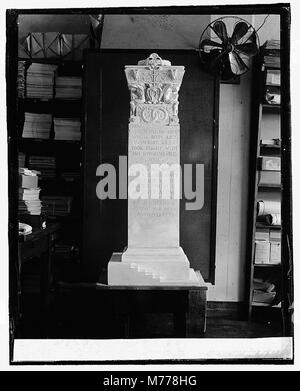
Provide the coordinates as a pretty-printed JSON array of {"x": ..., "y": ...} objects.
[
  {"x": 271, "y": 53},
  {"x": 269, "y": 212},
  {"x": 37, "y": 125},
  {"x": 68, "y": 87},
  {"x": 21, "y": 79},
  {"x": 263, "y": 291},
  {"x": 29, "y": 202},
  {"x": 273, "y": 44},
  {"x": 46, "y": 165},
  {"x": 67, "y": 128},
  {"x": 57, "y": 205},
  {"x": 40, "y": 81}
]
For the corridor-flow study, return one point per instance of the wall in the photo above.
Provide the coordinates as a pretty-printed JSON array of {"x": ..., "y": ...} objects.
[
  {"x": 183, "y": 32},
  {"x": 234, "y": 135},
  {"x": 126, "y": 31}
]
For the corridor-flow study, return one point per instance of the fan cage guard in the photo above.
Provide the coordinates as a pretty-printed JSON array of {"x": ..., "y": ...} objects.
[{"x": 226, "y": 68}]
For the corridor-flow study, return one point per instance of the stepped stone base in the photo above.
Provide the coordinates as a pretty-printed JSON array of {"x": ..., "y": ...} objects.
[{"x": 152, "y": 267}]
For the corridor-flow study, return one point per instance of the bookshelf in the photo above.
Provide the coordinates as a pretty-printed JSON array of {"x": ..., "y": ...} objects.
[
  {"x": 264, "y": 255},
  {"x": 65, "y": 182}
]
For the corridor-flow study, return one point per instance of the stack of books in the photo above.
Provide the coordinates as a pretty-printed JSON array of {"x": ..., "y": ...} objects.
[
  {"x": 273, "y": 93},
  {"x": 21, "y": 79},
  {"x": 40, "y": 81},
  {"x": 263, "y": 291},
  {"x": 57, "y": 205},
  {"x": 68, "y": 87},
  {"x": 67, "y": 128},
  {"x": 37, "y": 125},
  {"x": 271, "y": 60},
  {"x": 46, "y": 165},
  {"x": 271, "y": 54},
  {"x": 272, "y": 44},
  {"x": 29, "y": 201}
]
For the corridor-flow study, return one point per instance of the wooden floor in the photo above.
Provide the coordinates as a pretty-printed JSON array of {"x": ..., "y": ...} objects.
[{"x": 90, "y": 319}]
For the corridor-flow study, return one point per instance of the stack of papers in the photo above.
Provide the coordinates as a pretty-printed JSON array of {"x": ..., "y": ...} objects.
[
  {"x": 40, "y": 81},
  {"x": 29, "y": 202},
  {"x": 37, "y": 125},
  {"x": 30, "y": 207},
  {"x": 273, "y": 44},
  {"x": 46, "y": 165},
  {"x": 68, "y": 87},
  {"x": 67, "y": 128},
  {"x": 263, "y": 291}
]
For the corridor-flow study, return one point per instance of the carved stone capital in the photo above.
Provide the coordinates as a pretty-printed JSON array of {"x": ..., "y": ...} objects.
[{"x": 154, "y": 83}]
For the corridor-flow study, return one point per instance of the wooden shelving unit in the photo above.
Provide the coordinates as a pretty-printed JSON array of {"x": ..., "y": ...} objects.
[
  {"x": 68, "y": 153},
  {"x": 266, "y": 125}
]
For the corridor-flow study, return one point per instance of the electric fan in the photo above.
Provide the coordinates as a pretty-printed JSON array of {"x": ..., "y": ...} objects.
[{"x": 227, "y": 46}]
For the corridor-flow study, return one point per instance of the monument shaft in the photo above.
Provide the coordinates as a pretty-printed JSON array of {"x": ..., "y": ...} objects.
[{"x": 153, "y": 255}]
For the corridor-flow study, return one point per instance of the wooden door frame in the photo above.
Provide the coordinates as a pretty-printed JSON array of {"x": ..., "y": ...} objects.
[{"x": 214, "y": 179}]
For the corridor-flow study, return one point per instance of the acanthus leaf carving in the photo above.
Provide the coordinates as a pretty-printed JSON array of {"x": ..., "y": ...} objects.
[{"x": 154, "y": 86}]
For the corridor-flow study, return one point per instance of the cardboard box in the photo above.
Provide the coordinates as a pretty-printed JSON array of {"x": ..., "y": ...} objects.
[
  {"x": 275, "y": 252},
  {"x": 275, "y": 235},
  {"x": 262, "y": 252},
  {"x": 269, "y": 178},
  {"x": 273, "y": 77},
  {"x": 28, "y": 181},
  {"x": 270, "y": 163},
  {"x": 262, "y": 234}
]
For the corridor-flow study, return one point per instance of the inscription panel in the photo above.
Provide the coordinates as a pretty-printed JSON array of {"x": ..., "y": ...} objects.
[{"x": 153, "y": 219}]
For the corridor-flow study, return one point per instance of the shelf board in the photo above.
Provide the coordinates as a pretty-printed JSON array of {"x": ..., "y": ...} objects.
[
  {"x": 257, "y": 304},
  {"x": 271, "y": 107},
  {"x": 59, "y": 108},
  {"x": 269, "y": 186},
  {"x": 275, "y": 146},
  {"x": 48, "y": 141},
  {"x": 267, "y": 226},
  {"x": 55, "y": 61},
  {"x": 50, "y": 100},
  {"x": 267, "y": 265}
]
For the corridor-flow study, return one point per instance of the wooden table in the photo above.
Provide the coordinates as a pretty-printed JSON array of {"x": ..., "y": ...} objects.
[
  {"x": 187, "y": 303},
  {"x": 38, "y": 244}
]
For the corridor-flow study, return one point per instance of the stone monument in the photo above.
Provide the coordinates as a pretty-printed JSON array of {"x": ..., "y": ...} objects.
[{"x": 153, "y": 255}]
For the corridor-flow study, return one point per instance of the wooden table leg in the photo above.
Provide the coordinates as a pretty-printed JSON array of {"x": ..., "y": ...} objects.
[
  {"x": 180, "y": 323},
  {"x": 45, "y": 287},
  {"x": 126, "y": 319},
  {"x": 196, "y": 316}
]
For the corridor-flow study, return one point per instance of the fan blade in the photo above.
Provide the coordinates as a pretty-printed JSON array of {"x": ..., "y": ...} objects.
[
  {"x": 210, "y": 44},
  {"x": 249, "y": 48},
  {"x": 218, "y": 62},
  {"x": 220, "y": 29},
  {"x": 237, "y": 64},
  {"x": 240, "y": 29}
]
